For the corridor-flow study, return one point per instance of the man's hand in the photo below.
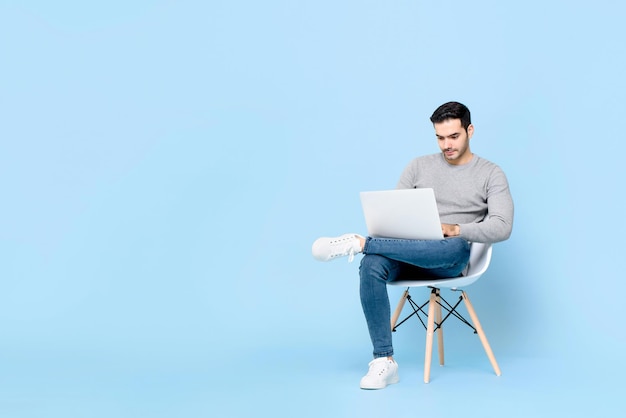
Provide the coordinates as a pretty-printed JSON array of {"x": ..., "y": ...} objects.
[{"x": 450, "y": 230}]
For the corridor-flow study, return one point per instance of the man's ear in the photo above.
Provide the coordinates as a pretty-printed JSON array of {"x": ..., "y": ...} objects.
[{"x": 470, "y": 131}]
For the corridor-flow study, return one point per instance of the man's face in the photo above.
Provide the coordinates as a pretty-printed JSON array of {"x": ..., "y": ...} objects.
[{"x": 454, "y": 140}]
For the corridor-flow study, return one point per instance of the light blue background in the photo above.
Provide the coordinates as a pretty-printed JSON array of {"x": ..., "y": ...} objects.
[{"x": 165, "y": 167}]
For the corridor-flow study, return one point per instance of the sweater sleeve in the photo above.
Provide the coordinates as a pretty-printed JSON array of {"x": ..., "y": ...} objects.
[
  {"x": 408, "y": 176},
  {"x": 498, "y": 222}
]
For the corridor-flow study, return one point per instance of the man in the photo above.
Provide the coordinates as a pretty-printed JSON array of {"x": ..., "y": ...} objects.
[{"x": 474, "y": 204}]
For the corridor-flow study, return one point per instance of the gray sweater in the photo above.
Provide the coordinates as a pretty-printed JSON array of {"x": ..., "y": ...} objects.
[{"x": 475, "y": 195}]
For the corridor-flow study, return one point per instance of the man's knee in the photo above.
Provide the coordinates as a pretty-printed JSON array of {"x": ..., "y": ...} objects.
[{"x": 375, "y": 266}]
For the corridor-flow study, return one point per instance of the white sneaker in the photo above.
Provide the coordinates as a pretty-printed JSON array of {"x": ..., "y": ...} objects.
[
  {"x": 382, "y": 372},
  {"x": 326, "y": 249}
]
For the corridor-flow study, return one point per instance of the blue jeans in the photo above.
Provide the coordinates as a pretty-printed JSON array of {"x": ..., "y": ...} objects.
[{"x": 388, "y": 259}]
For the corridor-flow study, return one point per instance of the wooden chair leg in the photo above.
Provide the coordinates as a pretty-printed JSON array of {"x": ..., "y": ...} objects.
[
  {"x": 440, "y": 329},
  {"x": 481, "y": 333},
  {"x": 429, "y": 336},
  {"x": 396, "y": 313}
]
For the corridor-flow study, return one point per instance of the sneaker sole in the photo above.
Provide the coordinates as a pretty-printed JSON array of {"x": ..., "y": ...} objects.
[{"x": 394, "y": 381}]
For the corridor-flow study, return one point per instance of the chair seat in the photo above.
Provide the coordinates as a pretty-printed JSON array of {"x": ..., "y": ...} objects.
[
  {"x": 480, "y": 257},
  {"x": 452, "y": 283}
]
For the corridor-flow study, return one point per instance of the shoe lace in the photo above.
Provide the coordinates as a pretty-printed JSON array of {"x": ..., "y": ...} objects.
[
  {"x": 377, "y": 368},
  {"x": 351, "y": 255},
  {"x": 346, "y": 247}
]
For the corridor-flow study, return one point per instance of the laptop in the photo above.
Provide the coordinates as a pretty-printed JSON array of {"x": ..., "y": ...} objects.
[{"x": 402, "y": 213}]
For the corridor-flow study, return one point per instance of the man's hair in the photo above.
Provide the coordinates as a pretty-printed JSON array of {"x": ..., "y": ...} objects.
[{"x": 452, "y": 110}]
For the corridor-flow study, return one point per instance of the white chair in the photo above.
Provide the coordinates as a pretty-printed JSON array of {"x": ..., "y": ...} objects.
[{"x": 480, "y": 257}]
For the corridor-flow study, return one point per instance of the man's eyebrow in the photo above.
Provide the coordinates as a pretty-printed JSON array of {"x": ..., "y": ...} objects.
[{"x": 451, "y": 135}]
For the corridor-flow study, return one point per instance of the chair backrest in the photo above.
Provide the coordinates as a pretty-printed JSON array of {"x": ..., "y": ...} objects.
[{"x": 480, "y": 257}]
